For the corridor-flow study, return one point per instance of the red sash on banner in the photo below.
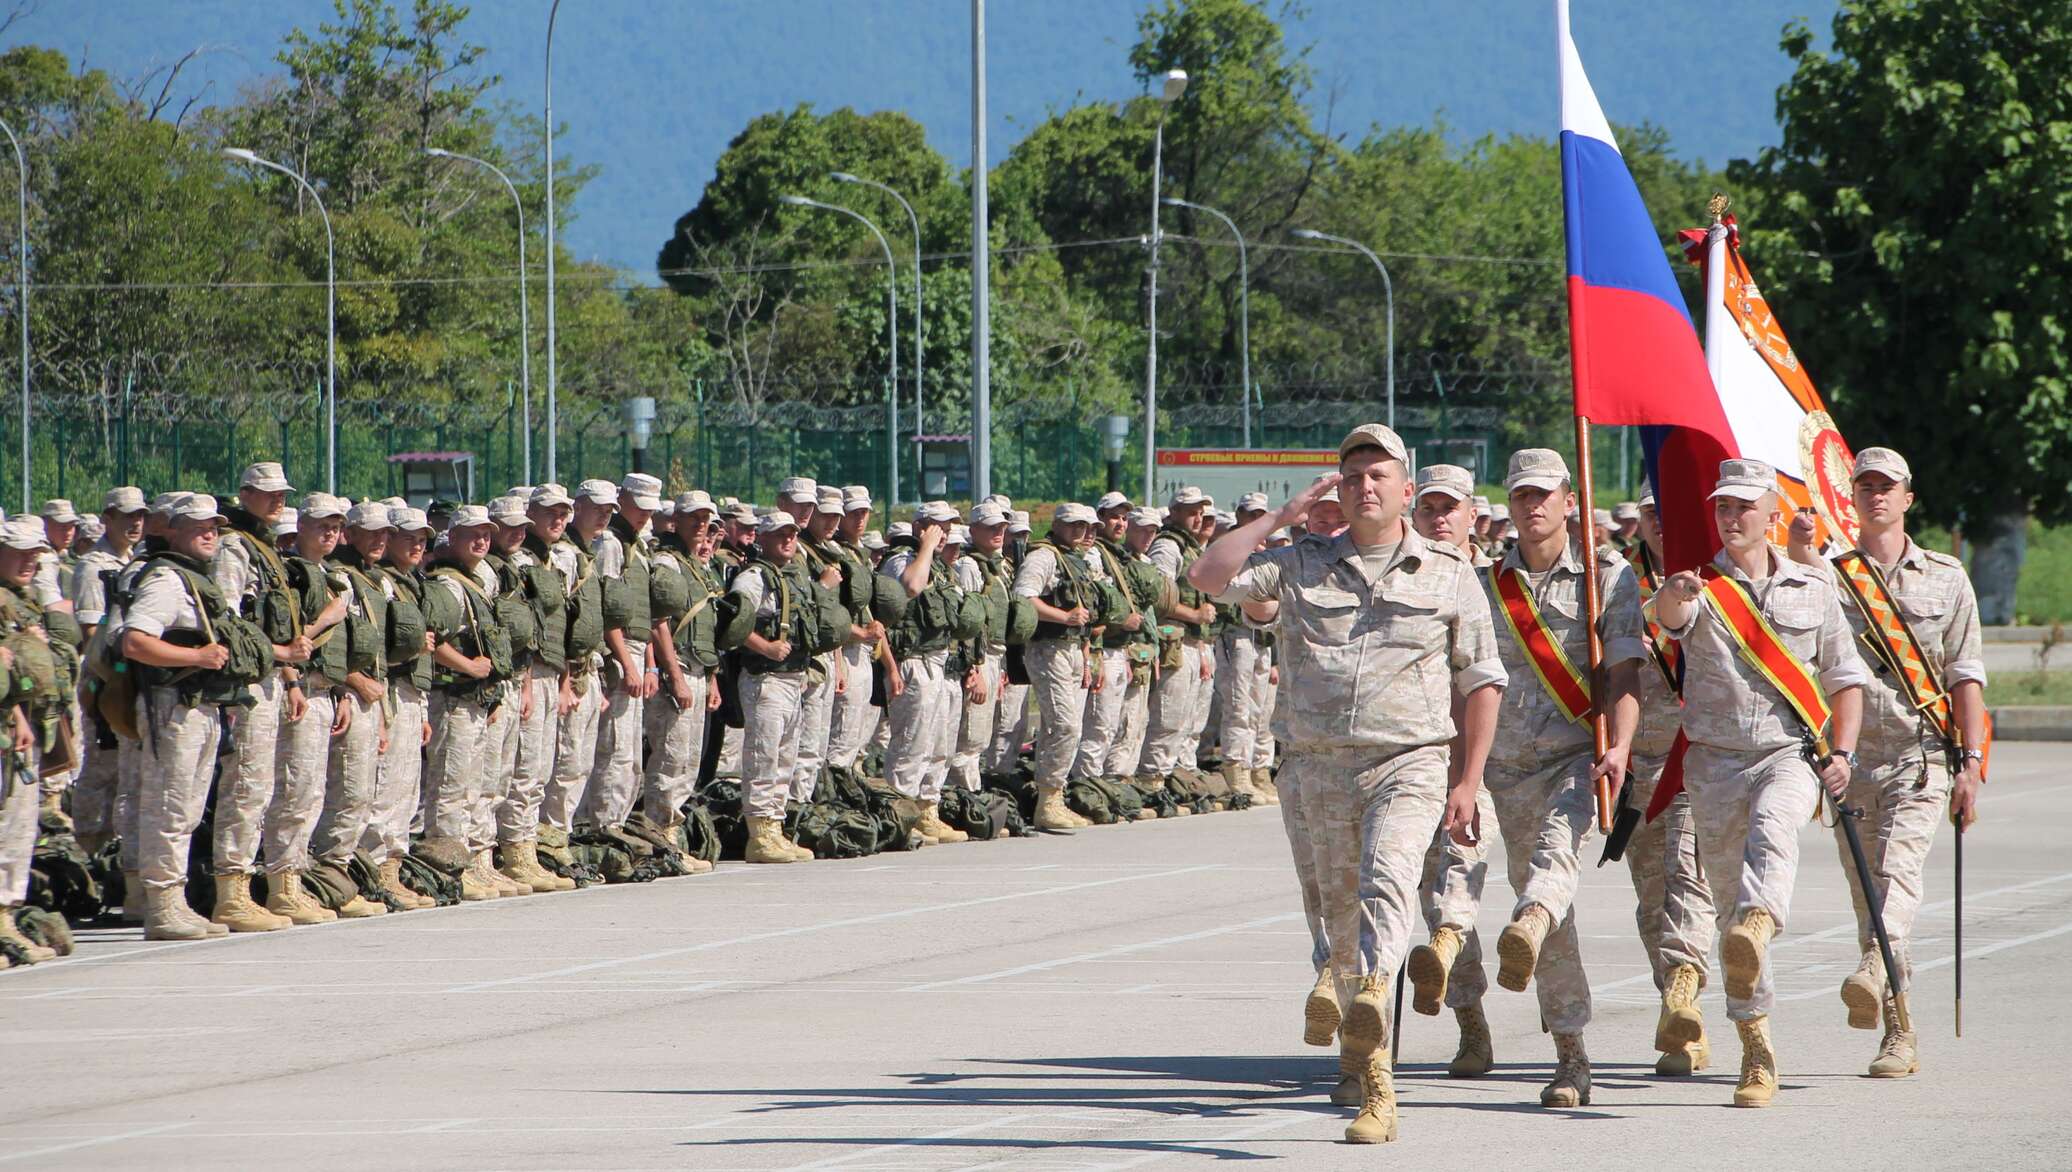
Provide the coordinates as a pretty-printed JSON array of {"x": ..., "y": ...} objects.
[
  {"x": 1760, "y": 648},
  {"x": 1569, "y": 688}
]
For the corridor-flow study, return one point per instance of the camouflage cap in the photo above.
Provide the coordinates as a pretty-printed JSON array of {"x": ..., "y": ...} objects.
[
  {"x": 1450, "y": 480},
  {"x": 23, "y": 533},
  {"x": 1072, "y": 512},
  {"x": 1884, "y": 461},
  {"x": 369, "y": 515},
  {"x": 856, "y": 497},
  {"x": 598, "y": 492},
  {"x": 469, "y": 516},
  {"x": 1374, "y": 435},
  {"x": 799, "y": 490},
  {"x": 266, "y": 476},
  {"x": 1188, "y": 494},
  {"x": 774, "y": 522},
  {"x": 194, "y": 506},
  {"x": 1541, "y": 468},
  {"x": 127, "y": 499},
  {"x": 935, "y": 512},
  {"x": 899, "y": 529},
  {"x": 1018, "y": 521},
  {"x": 1146, "y": 518},
  {"x": 1252, "y": 502},
  {"x": 872, "y": 540},
  {"x": 1626, "y": 511},
  {"x": 740, "y": 512},
  {"x": 988, "y": 513},
  {"x": 958, "y": 535},
  {"x": 60, "y": 510},
  {"x": 695, "y": 501},
  {"x": 549, "y": 496},
  {"x": 509, "y": 511},
  {"x": 1745, "y": 480},
  {"x": 645, "y": 490},
  {"x": 409, "y": 519},
  {"x": 317, "y": 506},
  {"x": 1111, "y": 500}
]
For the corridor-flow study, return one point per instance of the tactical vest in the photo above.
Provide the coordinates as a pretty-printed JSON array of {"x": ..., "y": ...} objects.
[
  {"x": 251, "y": 656},
  {"x": 626, "y": 602},
  {"x": 1184, "y": 593},
  {"x": 830, "y": 615},
  {"x": 366, "y": 624},
  {"x": 313, "y": 585},
  {"x": 1138, "y": 593},
  {"x": 669, "y": 593},
  {"x": 484, "y": 636},
  {"x": 514, "y": 611},
  {"x": 996, "y": 589},
  {"x": 697, "y": 631},
  {"x": 32, "y": 680},
  {"x": 929, "y": 622},
  {"x": 585, "y": 610},
  {"x": 790, "y": 622},
  {"x": 407, "y": 627},
  {"x": 1071, "y": 589},
  {"x": 547, "y": 590},
  {"x": 274, "y": 607}
]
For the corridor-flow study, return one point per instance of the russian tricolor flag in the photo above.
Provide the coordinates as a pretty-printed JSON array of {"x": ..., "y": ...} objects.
[{"x": 1636, "y": 358}]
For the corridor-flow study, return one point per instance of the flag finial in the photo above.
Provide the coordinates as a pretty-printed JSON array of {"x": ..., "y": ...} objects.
[{"x": 1717, "y": 205}]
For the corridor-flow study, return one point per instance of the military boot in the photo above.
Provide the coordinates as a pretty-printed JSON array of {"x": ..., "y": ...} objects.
[
  {"x": 1476, "y": 1055},
  {"x": 1429, "y": 965},
  {"x": 392, "y": 882},
  {"x": 670, "y": 829},
  {"x": 11, "y": 933},
  {"x": 1863, "y": 991},
  {"x": 521, "y": 863},
  {"x": 766, "y": 842},
  {"x": 1741, "y": 952},
  {"x": 133, "y": 899},
  {"x": 1053, "y": 814},
  {"x": 285, "y": 896},
  {"x": 1758, "y": 1064},
  {"x": 1349, "y": 1092},
  {"x": 1320, "y": 1010},
  {"x": 1518, "y": 949},
  {"x": 167, "y": 916},
  {"x": 1680, "y": 1022},
  {"x": 1366, "y": 1021},
  {"x": 1571, "y": 1085},
  {"x": 1239, "y": 779},
  {"x": 1686, "y": 1059},
  {"x": 1262, "y": 780},
  {"x": 476, "y": 884},
  {"x": 50, "y": 811},
  {"x": 1897, "y": 1057},
  {"x": 798, "y": 853},
  {"x": 359, "y": 907},
  {"x": 235, "y": 910},
  {"x": 484, "y": 860},
  {"x": 932, "y": 825},
  {"x": 1376, "y": 1122},
  {"x": 1151, "y": 781}
]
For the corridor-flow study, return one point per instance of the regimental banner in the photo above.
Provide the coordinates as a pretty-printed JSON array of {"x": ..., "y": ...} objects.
[{"x": 1776, "y": 412}]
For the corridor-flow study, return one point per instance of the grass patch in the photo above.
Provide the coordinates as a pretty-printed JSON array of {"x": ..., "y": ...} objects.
[{"x": 2029, "y": 687}]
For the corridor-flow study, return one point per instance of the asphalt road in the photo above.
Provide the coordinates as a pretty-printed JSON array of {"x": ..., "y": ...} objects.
[{"x": 1125, "y": 997}]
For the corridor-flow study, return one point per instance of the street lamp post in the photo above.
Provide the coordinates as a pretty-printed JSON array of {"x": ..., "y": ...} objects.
[
  {"x": 919, "y": 414},
  {"x": 553, "y": 419},
  {"x": 1388, "y": 289},
  {"x": 981, "y": 271},
  {"x": 330, "y": 314},
  {"x": 891, "y": 316},
  {"x": 524, "y": 314},
  {"x": 21, "y": 306},
  {"x": 1172, "y": 86},
  {"x": 1244, "y": 307}
]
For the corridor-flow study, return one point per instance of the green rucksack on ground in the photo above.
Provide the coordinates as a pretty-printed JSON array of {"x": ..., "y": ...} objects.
[
  {"x": 61, "y": 875},
  {"x": 834, "y": 830},
  {"x": 428, "y": 880}
]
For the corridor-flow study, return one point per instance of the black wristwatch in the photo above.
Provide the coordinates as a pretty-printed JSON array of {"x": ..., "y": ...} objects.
[{"x": 1848, "y": 755}]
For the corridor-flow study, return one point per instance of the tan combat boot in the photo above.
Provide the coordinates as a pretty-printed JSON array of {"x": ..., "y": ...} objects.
[
  {"x": 285, "y": 896},
  {"x": 798, "y": 853},
  {"x": 133, "y": 898},
  {"x": 1571, "y": 1085},
  {"x": 1680, "y": 1022},
  {"x": 1741, "y": 952},
  {"x": 522, "y": 865},
  {"x": 1376, "y": 1122},
  {"x": 1518, "y": 949},
  {"x": 1151, "y": 781},
  {"x": 1476, "y": 1055},
  {"x": 932, "y": 826},
  {"x": 1262, "y": 780},
  {"x": 476, "y": 884},
  {"x": 1429, "y": 965},
  {"x": 359, "y": 907},
  {"x": 167, "y": 916},
  {"x": 766, "y": 842},
  {"x": 506, "y": 887},
  {"x": 392, "y": 882},
  {"x": 1897, "y": 1057},
  {"x": 1685, "y": 1060},
  {"x": 1320, "y": 1010},
  {"x": 1863, "y": 991},
  {"x": 1350, "y": 1091},
  {"x": 1053, "y": 814},
  {"x": 235, "y": 910},
  {"x": 50, "y": 807},
  {"x": 1758, "y": 1064},
  {"x": 1239, "y": 779},
  {"x": 11, "y": 933},
  {"x": 1364, "y": 1028}
]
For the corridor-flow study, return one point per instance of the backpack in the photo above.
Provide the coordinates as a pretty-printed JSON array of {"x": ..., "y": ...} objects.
[
  {"x": 983, "y": 814},
  {"x": 443, "y": 887},
  {"x": 61, "y": 874},
  {"x": 834, "y": 830}
]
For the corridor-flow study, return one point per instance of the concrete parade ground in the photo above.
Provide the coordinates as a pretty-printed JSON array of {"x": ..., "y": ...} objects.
[{"x": 1124, "y": 997}]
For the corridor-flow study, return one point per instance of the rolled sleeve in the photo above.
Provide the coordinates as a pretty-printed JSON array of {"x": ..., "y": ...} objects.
[
  {"x": 1258, "y": 581},
  {"x": 1964, "y": 653},
  {"x": 1620, "y": 625},
  {"x": 1474, "y": 655},
  {"x": 1166, "y": 556},
  {"x": 156, "y": 606}
]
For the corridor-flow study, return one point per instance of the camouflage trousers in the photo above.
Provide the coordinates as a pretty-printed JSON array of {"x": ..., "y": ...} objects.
[
  {"x": 500, "y": 752},
  {"x": 1450, "y": 894},
  {"x": 104, "y": 799},
  {"x": 257, "y": 733},
  {"x": 1057, "y": 674},
  {"x": 458, "y": 764},
  {"x": 615, "y": 771},
  {"x": 298, "y": 792},
  {"x": 676, "y": 744},
  {"x": 18, "y": 822},
  {"x": 975, "y": 730},
  {"x": 1369, "y": 817},
  {"x": 770, "y": 704},
  {"x": 575, "y": 746},
  {"x": 816, "y": 716},
  {"x": 1295, "y": 823},
  {"x": 1010, "y": 725},
  {"x": 532, "y": 759},
  {"x": 1672, "y": 904},
  {"x": 923, "y": 720},
  {"x": 1749, "y": 808},
  {"x": 854, "y": 719},
  {"x": 179, "y": 757},
  {"x": 1128, "y": 748},
  {"x": 352, "y": 783},
  {"x": 1170, "y": 739},
  {"x": 1104, "y": 723},
  {"x": 399, "y": 776},
  {"x": 1903, "y": 799},
  {"x": 1241, "y": 678},
  {"x": 1545, "y": 815}
]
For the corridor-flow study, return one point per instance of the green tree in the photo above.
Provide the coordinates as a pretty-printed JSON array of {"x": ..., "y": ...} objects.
[{"x": 1919, "y": 235}]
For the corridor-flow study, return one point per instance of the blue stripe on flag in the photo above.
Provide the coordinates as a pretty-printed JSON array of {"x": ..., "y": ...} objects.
[{"x": 1611, "y": 239}]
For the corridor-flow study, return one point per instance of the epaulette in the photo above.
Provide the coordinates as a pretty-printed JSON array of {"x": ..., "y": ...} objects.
[
  {"x": 1939, "y": 558},
  {"x": 1452, "y": 551}
]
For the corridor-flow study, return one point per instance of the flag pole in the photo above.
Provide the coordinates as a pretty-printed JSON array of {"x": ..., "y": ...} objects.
[{"x": 1593, "y": 605}]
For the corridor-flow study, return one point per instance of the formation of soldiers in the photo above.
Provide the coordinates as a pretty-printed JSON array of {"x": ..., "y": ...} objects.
[{"x": 1398, "y": 663}]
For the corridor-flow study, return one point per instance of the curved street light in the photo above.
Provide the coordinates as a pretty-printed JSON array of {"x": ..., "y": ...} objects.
[
  {"x": 21, "y": 253},
  {"x": 919, "y": 413},
  {"x": 553, "y": 419},
  {"x": 330, "y": 313},
  {"x": 891, "y": 316},
  {"x": 1171, "y": 86},
  {"x": 1244, "y": 305},
  {"x": 1388, "y": 289},
  {"x": 524, "y": 313}
]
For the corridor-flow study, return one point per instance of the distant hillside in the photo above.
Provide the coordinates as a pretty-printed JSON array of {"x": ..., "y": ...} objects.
[{"x": 652, "y": 92}]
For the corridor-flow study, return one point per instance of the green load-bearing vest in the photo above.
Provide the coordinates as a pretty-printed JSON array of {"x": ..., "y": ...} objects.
[
  {"x": 627, "y": 605},
  {"x": 547, "y": 590},
  {"x": 251, "y": 653},
  {"x": 1183, "y": 593},
  {"x": 1073, "y": 588},
  {"x": 697, "y": 632},
  {"x": 586, "y": 608},
  {"x": 791, "y": 621},
  {"x": 366, "y": 632},
  {"x": 931, "y": 619},
  {"x": 313, "y": 583}
]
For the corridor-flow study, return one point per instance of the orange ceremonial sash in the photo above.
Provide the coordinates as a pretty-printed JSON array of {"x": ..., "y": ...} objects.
[
  {"x": 1569, "y": 688},
  {"x": 1762, "y": 649}
]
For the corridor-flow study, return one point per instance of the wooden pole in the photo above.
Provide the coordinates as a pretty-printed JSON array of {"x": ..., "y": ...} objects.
[{"x": 1593, "y": 605}]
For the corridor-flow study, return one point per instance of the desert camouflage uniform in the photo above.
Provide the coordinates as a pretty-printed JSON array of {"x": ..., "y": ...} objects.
[
  {"x": 615, "y": 767},
  {"x": 1057, "y": 666},
  {"x": 575, "y": 734},
  {"x": 1180, "y": 697},
  {"x": 179, "y": 748},
  {"x": 104, "y": 798}
]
